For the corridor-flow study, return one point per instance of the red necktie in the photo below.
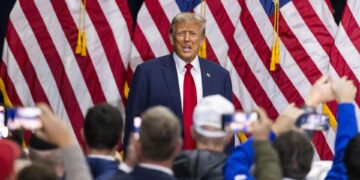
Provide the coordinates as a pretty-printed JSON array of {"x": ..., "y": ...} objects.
[{"x": 189, "y": 104}]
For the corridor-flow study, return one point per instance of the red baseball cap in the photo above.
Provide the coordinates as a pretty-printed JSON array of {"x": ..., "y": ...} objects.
[{"x": 9, "y": 152}]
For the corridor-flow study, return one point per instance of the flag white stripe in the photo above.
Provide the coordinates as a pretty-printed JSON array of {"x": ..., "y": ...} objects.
[
  {"x": 135, "y": 57},
  {"x": 170, "y": 8},
  {"x": 305, "y": 37},
  {"x": 233, "y": 9}
]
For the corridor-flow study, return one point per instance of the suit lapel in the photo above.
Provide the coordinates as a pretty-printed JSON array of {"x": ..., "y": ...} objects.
[
  {"x": 170, "y": 75},
  {"x": 205, "y": 77}
]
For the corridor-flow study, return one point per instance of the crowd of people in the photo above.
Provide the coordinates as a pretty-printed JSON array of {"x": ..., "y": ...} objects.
[
  {"x": 182, "y": 101},
  {"x": 276, "y": 150}
]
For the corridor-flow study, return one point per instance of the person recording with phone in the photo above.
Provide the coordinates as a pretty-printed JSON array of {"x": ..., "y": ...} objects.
[
  {"x": 55, "y": 131},
  {"x": 296, "y": 156},
  {"x": 344, "y": 92}
]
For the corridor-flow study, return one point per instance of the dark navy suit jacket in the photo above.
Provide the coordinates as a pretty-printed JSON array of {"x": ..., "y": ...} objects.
[{"x": 155, "y": 82}]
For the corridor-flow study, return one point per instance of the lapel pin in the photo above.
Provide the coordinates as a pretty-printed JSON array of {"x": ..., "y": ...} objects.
[{"x": 207, "y": 74}]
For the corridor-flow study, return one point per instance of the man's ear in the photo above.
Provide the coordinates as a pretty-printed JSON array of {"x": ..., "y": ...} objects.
[{"x": 171, "y": 39}]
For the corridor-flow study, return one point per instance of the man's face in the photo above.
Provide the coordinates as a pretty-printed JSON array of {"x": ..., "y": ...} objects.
[{"x": 186, "y": 40}]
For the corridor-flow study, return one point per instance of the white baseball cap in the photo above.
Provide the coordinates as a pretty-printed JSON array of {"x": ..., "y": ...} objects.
[{"x": 208, "y": 112}]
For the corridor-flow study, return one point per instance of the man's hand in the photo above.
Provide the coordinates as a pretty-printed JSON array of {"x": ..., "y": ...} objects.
[
  {"x": 344, "y": 90},
  {"x": 320, "y": 92},
  {"x": 286, "y": 120},
  {"x": 54, "y": 129},
  {"x": 262, "y": 126}
]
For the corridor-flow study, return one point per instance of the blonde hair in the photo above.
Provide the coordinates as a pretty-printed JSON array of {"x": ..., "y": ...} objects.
[{"x": 187, "y": 17}]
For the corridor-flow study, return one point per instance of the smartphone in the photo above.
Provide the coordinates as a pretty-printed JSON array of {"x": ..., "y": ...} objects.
[
  {"x": 137, "y": 124},
  {"x": 313, "y": 122},
  {"x": 239, "y": 122},
  {"x": 23, "y": 118},
  {"x": 4, "y": 131}
]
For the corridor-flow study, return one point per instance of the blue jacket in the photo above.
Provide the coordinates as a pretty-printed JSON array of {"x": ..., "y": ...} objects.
[
  {"x": 346, "y": 130},
  {"x": 241, "y": 159}
]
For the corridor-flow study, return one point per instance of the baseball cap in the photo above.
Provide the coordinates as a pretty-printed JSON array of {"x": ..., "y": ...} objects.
[
  {"x": 208, "y": 112},
  {"x": 9, "y": 152}
]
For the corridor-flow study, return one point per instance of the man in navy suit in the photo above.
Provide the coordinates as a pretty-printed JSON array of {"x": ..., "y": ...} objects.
[
  {"x": 103, "y": 133},
  {"x": 169, "y": 82}
]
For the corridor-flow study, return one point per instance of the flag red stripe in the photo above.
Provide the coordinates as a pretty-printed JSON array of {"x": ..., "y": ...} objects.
[
  {"x": 54, "y": 62},
  {"x": 109, "y": 45},
  {"x": 210, "y": 55},
  {"x": 322, "y": 147},
  {"x": 351, "y": 27},
  {"x": 161, "y": 21},
  {"x": 315, "y": 25},
  {"x": 295, "y": 48},
  {"x": 18, "y": 50},
  {"x": 142, "y": 45},
  {"x": 86, "y": 67}
]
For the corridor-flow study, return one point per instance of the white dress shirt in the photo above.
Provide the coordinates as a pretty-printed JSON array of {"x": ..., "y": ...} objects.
[{"x": 195, "y": 72}]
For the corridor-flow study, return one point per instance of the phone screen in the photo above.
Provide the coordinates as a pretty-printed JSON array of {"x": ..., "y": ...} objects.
[
  {"x": 4, "y": 131},
  {"x": 239, "y": 122},
  {"x": 23, "y": 117},
  {"x": 315, "y": 122}
]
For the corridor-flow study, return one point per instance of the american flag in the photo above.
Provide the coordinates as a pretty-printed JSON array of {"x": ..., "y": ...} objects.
[
  {"x": 239, "y": 37},
  {"x": 39, "y": 63}
]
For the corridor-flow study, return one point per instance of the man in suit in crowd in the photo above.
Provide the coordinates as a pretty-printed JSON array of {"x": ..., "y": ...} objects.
[
  {"x": 178, "y": 80},
  {"x": 102, "y": 131},
  {"x": 156, "y": 146}
]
